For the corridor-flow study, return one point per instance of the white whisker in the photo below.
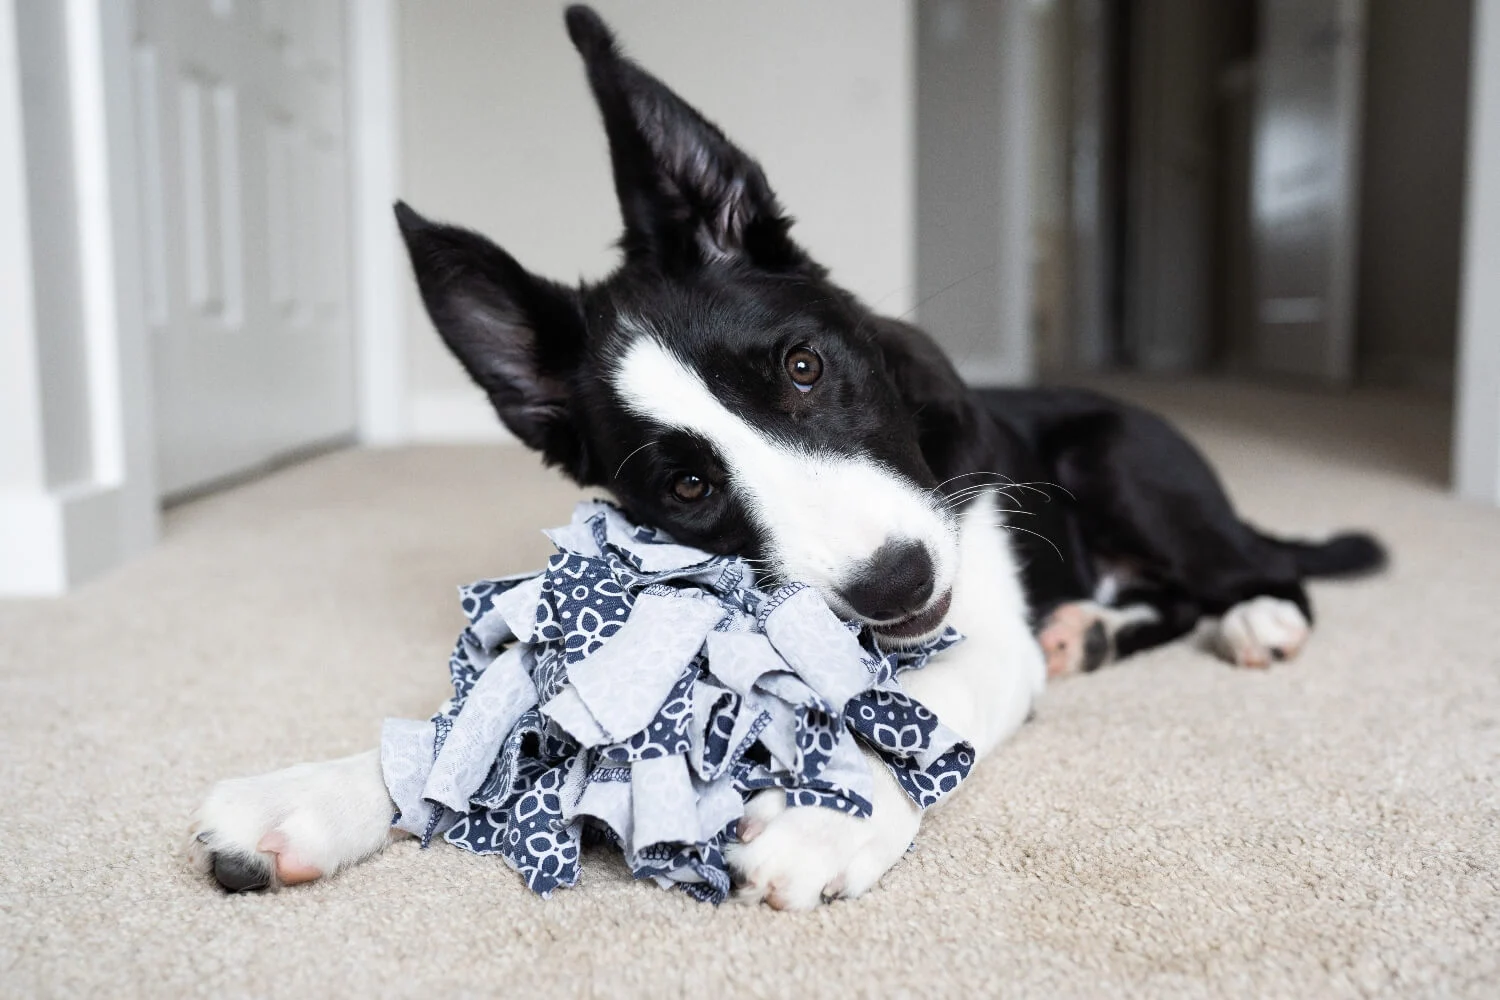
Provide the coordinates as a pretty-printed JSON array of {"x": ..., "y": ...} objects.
[{"x": 632, "y": 455}]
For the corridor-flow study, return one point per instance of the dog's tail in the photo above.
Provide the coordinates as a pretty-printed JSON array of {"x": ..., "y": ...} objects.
[{"x": 1350, "y": 553}]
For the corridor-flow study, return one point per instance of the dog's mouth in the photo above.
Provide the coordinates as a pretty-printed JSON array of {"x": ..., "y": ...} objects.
[{"x": 919, "y": 625}]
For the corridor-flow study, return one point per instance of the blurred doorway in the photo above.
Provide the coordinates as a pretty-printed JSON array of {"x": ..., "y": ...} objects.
[
  {"x": 1265, "y": 189},
  {"x": 242, "y": 169},
  {"x": 1304, "y": 176}
]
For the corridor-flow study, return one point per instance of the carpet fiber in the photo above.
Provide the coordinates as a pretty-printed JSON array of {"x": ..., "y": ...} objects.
[{"x": 1168, "y": 827}]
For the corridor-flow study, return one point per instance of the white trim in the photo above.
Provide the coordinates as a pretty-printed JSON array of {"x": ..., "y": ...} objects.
[
  {"x": 54, "y": 535},
  {"x": 1476, "y": 437},
  {"x": 91, "y": 179},
  {"x": 456, "y": 418},
  {"x": 22, "y": 459},
  {"x": 33, "y": 559},
  {"x": 380, "y": 280},
  {"x": 117, "y": 231},
  {"x": 54, "y": 541},
  {"x": 123, "y": 507}
]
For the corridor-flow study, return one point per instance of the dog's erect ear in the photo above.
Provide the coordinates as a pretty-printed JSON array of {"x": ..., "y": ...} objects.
[
  {"x": 687, "y": 194},
  {"x": 520, "y": 337}
]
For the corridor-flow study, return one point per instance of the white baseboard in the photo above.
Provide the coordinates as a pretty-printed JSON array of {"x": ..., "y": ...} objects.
[
  {"x": 33, "y": 558},
  {"x": 456, "y": 418},
  {"x": 51, "y": 542}
]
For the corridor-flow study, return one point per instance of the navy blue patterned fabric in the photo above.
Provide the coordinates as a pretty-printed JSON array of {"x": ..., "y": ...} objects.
[{"x": 635, "y": 693}]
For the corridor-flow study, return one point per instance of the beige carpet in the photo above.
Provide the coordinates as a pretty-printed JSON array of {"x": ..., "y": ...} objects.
[{"x": 1169, "y": 827}]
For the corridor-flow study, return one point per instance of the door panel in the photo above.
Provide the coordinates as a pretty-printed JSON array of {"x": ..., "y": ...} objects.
[
  {"x": 1304, "y": 189},
  {"x": 245, "y": 232}
]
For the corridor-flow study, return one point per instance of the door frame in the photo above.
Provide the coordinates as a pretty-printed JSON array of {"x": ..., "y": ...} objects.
[
  {"x": 56, "y": 534},
  {"x": 73, "y": 513},
  {"x": 1476, "y": 409},
  {"x": 378, "y": 266}
]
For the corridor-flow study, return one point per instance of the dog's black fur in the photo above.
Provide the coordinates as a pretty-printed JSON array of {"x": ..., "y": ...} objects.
[{"x": 709, "y": 259}]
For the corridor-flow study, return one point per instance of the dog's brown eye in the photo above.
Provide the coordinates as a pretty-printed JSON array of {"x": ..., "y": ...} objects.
[
  {"x": 691, "y": 489},
  {"x": 804, "y": 366}
]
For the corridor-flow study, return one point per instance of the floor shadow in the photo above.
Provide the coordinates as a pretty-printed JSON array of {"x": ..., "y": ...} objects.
[{"x": 1407, "y": 433}]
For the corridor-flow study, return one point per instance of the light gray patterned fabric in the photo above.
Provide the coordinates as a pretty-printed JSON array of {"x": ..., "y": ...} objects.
[{"x": 636, "y": 692}]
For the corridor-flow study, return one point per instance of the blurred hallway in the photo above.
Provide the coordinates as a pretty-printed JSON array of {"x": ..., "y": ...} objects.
[{"x": 1404, "y": 433}]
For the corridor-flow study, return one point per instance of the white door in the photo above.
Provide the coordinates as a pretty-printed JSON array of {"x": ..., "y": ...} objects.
[
  {"x": 1304, "y": 189},
  {"x": 245, "y": 228}
]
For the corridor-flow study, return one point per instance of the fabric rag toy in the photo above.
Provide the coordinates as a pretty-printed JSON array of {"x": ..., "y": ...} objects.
[{"x": 637, "y": 691}]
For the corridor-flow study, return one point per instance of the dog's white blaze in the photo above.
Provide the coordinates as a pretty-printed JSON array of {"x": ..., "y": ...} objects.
[{"x": 823, "y": 513}]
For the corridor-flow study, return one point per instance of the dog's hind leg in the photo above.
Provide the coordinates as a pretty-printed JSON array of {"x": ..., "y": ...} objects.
[
  {"x": 293, "y": 825},
  {"x": 1143, "y": 496},
  {"x": 1082, "y": 636}
]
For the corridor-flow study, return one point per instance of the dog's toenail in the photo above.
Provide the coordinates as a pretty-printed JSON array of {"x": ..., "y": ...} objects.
[{"x": 240, "y": 874}]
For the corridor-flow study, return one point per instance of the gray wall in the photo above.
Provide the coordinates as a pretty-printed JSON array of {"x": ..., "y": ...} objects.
[
  {"x": 499, "y": 133},
  {"x": 974, "y": 116},
  {"x": 1416, "y": 110}
]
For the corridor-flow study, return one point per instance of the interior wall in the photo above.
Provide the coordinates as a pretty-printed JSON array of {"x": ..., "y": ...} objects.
[
  {"x": 975, "y": 114},
  {"x": 499, "y": 133},
  {"x": 1416, "y": 114}
]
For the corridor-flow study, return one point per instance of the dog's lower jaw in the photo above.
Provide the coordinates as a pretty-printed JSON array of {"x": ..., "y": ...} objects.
[{"x": 918, "y": 628}]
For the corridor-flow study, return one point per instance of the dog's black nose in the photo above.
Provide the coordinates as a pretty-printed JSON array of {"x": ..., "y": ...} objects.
[{"x": 894, "y": 583}]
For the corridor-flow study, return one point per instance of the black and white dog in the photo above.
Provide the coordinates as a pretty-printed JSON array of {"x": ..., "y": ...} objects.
[{"x": 722, "y": 388}]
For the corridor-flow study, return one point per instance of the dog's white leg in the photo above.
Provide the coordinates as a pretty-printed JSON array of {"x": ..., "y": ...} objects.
[
  {"x": 983, "y": 689},
  {"x": 294, "y": 825}
]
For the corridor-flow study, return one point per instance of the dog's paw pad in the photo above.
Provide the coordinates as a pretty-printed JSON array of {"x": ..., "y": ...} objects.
[
  {"x": 1074, "y": 639},
  {"x": 239, "y": 873}
]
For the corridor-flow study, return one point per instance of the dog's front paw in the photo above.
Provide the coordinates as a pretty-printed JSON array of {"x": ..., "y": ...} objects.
[
  {"x": 291, "y": 826},
  {"x": 794, "y": 858}
]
